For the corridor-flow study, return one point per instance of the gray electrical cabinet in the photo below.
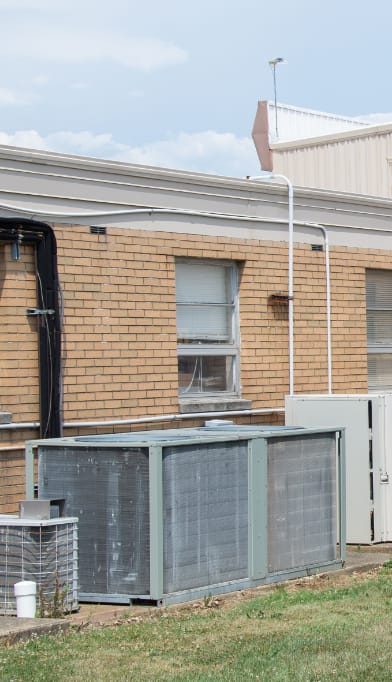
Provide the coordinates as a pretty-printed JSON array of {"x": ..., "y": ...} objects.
[
  {"x": 166, "y": 516},
  {"x": 367, "y": 419}
]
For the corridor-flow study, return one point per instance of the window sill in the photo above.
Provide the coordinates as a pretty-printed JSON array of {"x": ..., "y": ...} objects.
[{"x": 213, "y": 405}]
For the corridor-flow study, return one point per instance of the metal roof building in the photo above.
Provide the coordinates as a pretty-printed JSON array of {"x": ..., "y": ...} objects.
[{"x": 325, "y": 151}]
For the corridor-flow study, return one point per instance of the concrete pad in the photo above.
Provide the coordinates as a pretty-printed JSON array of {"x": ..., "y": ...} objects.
[{"x": 14, "y": 629}]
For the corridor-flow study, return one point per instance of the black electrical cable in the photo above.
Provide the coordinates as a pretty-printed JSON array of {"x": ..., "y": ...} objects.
[{"x": 41, "y": 235}]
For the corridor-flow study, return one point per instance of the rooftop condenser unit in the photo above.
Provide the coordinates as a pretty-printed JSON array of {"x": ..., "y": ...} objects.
[{"x": 167, "y": 516}]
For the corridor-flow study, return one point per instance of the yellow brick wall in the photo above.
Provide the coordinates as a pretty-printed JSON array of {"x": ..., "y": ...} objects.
[
  {"x": 119, "y": 340},
  {"x": 18, "y": 335}
]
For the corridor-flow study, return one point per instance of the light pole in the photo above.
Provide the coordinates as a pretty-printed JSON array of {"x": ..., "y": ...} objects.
[{"x": 273, "y": 64}]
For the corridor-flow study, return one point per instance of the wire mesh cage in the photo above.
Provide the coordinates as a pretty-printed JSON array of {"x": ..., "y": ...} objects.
[{"x": 44, "y": 551}]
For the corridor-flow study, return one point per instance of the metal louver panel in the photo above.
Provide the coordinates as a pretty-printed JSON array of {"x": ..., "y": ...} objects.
[
  {"x": 108, "y": 490},
  {"x": 302, "y": 526},
  {"x": 205, "y": 511}
]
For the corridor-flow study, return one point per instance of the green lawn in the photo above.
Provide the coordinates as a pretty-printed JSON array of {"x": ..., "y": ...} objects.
[{"x": 325, "y": 631}]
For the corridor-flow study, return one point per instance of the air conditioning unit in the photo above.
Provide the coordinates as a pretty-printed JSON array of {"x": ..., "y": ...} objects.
[
  {"x": 167, "y": 516},
  {"x": 367, "y": 419},
  {"x": 44, "y": 551}
]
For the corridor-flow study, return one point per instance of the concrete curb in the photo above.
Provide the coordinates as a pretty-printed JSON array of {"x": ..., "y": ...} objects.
[{"x": 13, "y": 630}]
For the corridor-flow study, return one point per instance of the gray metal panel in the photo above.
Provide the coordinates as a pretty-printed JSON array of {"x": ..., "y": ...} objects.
[
  {"x": 205, "y": 507},
  {"x": 301, "y": 501},
  {"x": 108, "y": 490},
  {"x": 350, "y": 412},
  {"x": 258, "y": 507}
]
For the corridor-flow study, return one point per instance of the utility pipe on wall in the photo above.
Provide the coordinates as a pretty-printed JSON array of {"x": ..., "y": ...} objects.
[
  {"x": 290, "y": 189},
  {"x": 147, "y": 420}
]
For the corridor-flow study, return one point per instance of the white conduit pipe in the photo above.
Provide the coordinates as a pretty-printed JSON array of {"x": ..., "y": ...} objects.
[
  {"x": 148, "y": 420},
  {"x": 290, "y": 190}
]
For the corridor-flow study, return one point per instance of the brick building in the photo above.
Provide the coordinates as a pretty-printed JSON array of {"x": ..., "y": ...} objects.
[{"x": 133, "y": 297}]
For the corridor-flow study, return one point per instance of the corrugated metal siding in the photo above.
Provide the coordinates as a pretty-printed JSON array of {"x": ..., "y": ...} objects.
[
  {"x": 295, "y": 123},
  {"x": 358, "y": 165}
]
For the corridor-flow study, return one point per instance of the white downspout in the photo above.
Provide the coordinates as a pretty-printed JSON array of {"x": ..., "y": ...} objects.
[{"x": 290, "y": 190}]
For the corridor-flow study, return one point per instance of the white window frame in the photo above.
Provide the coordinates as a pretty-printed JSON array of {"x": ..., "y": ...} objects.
[
  {"x": 384, "y": 307},
  {"x": 212, "y": 349}
]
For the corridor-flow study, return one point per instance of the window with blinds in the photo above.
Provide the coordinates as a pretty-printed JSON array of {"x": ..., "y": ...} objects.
[
  {"x": 207, "y": 320},
  {"x": 379, "y": 329}
]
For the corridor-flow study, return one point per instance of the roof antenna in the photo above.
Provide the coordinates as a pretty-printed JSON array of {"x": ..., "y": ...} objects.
[{"x": 273, "y": 64}]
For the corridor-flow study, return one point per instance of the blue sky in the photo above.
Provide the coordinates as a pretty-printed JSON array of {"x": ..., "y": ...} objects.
[{"x": 176, "y": 84}]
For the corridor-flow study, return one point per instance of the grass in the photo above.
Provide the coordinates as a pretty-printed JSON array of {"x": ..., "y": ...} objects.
[{"x": 325, "y": 631}]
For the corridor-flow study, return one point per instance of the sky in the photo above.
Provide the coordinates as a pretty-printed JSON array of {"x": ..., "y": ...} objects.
[{"x": 175, "y": 83}]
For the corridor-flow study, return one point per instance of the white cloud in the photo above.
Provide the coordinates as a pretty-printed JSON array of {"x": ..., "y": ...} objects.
[
  {"x": 208, "y": 151},
  {"x": 72, "y": 45},
  {"x": 12, "y": 98},
  {"x": 377, "y": 118},
  {"x": 40, "y": 80}
]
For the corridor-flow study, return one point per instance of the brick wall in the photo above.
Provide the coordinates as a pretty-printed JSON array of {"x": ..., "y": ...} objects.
[
  {"x": 18, "y": 335},
  {"x": 119, "y": 343}
]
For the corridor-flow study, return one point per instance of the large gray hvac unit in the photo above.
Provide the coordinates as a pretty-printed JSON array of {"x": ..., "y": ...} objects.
[
  {"x": 44, "y": 551},
  {"x": 167, "y": 516},
  {"x": 367, "y": 419}
]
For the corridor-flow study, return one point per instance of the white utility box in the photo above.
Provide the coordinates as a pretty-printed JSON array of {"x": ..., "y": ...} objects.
[{"x": 367, "y": 419}]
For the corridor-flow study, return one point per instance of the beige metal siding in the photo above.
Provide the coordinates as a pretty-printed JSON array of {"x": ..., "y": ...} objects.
[{"x": 355, "y": 164}]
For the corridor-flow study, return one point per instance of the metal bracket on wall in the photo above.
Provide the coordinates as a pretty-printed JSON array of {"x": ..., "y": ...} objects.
[{"x": 32, "y": 312}]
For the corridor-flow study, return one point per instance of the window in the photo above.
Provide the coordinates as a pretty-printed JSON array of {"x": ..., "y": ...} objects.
[
  {"x": 379, "y": 329},
  {"x": 207, "y": 328}
]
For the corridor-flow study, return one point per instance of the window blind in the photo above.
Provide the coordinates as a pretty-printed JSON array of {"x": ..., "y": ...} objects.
[{"x": 204, "y": 305}]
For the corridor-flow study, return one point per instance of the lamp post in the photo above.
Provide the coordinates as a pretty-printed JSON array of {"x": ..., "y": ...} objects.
[{"x": 273, "y": 64}]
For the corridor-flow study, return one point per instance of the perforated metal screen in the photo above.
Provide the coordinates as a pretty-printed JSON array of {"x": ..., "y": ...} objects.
[
  {"x": 108, "y": 490},
  {"x": 302, "y": 528},
  {"x": 205, "y": 510}
]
